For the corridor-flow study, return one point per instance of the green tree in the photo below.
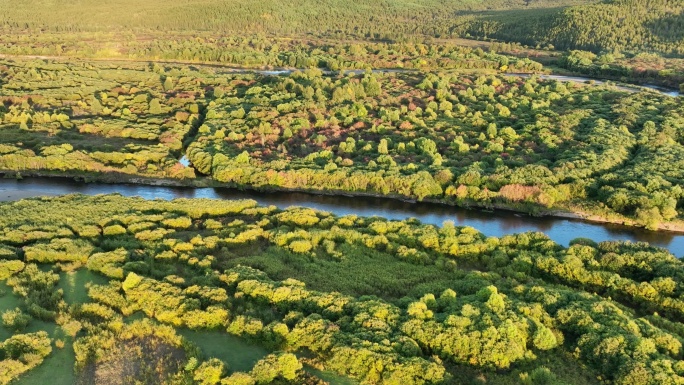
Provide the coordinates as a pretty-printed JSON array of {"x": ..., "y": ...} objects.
[
  {"x": 15, "y": 320},
  {"x": 209, "y": 372},
  {"x": 155, "y": 107}
]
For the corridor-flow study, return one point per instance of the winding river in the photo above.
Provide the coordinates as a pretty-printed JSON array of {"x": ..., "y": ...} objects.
[
  {"x": 227, "y": 69},
  {"x": 496, "y": 223},
  {"x": 597, "y": 82},
  {"x": 627, "y": 87}
]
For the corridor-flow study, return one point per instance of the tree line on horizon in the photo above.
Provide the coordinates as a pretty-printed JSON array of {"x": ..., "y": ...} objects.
[{"x": 610, "y": 25}]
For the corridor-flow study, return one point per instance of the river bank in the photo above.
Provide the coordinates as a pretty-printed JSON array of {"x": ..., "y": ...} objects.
[
  {"x": 496, "y": 223},
  {"x": 631, "y": 87},
  {"x": 207, "y": 182}
]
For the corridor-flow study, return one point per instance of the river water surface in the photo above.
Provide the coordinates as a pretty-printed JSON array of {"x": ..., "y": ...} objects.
[{"x": 496, "y": 223}]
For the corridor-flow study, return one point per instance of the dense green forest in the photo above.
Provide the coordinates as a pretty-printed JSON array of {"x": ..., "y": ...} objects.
[
  {"x": 633, "y": 40},
  {"x": 610, "y": 25},
  {"x": 314, "y": 297},
  {"x": 630, "y": 40},
  {"x": 473, "y": 137},
  {"x": 643, "y": 68},
  {"x": 424, "y": 100},
  {"x": 359, "y": 18},
  {"x": 604, "y": 26},
  {"x": 264, "y": 52}
]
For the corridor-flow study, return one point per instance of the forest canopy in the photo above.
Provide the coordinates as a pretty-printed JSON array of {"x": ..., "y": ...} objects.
[
  {"x": 450, "y": 102},
  {"x": 609, "y": 25},
  {"x": 408, "y": 303},
  {"x": 469, "y": 134}
]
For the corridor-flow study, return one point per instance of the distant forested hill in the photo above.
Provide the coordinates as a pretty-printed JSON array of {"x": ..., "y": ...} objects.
[
  {"x": 364, "y": 18},
  {"x": 623, "y": 25}
]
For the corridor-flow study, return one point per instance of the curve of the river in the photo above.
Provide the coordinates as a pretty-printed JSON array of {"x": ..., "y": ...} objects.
[
  {"x": 287, "y": 71},
  {"x": 627, "y": 87},
  {"x": 496, "y": 223}
]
